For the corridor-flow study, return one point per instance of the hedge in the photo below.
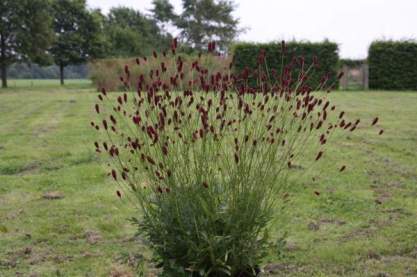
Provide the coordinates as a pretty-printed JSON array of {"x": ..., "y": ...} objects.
[
  {"x": 245, "y": 55},
  {"x": 393, "y": 65}
]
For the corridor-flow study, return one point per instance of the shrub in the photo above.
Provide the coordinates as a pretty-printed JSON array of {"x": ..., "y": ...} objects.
[
  {"x": 102, "y": 71},
  {"x": 245, "y": 55},
  {"x": 393, "y": 65},
  {"x": 207, "y": 160}
]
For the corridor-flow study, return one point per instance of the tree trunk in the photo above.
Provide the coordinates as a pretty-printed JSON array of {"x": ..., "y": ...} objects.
[
  {"x": 61, "y": 73},
  {"x": 3, "y": 75},
  {"x": 3, "y": 63}
]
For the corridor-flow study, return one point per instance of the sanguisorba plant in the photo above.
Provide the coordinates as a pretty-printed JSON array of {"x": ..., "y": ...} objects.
[{"x": 206, "y": 159}]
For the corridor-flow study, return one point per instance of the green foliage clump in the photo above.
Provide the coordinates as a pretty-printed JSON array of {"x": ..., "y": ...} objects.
[
  {"x": 206, "y": 157},
  {"x": 393, "y": 65},
  {"x": 326, "y": 53}
]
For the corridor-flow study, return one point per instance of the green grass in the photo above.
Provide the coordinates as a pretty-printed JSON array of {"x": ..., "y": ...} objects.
[
  {"x": 36, "y": 84},
  {"x": 46, "y": 145}
]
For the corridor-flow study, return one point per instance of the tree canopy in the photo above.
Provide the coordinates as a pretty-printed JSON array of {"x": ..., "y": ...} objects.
[
  {"x": 25, "y": 33},
  {"x": 200, "y": 21},
  {"x": 78, "y": 33},
  {"x": 130, "y": 33}
]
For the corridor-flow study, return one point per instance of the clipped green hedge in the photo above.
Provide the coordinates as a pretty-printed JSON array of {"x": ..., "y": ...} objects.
[
  {"x": 246, "y": 54},
  {"x": 393, "y": 65}
]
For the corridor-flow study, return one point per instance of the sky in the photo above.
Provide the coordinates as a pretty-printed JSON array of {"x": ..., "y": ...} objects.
[{"x": 353, "y": 24}]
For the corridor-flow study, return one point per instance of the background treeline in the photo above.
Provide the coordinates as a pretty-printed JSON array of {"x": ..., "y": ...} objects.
[
  {"x": 58, "y": 38},
  {"x": 67, "y": 33},
  {"x": 35, "y": 71}
]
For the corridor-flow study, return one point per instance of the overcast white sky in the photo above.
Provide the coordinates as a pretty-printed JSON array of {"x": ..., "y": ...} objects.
[{"x": 353, "y": 24}]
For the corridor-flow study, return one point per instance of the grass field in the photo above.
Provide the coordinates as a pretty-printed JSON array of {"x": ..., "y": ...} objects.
[
  {"x": 362, "y": 224},
  {"x": 37, "y": 84}
]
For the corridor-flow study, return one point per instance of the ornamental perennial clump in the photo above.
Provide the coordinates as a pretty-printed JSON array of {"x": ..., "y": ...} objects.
[{"x": 206, "y": 157}]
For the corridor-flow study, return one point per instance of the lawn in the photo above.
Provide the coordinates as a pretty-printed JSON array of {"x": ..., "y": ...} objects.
[
  {"x": 59, "y": 214},
  {"x": 37, "y": 84}
]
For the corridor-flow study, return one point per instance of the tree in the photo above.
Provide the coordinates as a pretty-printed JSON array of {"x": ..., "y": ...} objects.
[
  {"x": 200, "y": 21},
  {"x": 25, "y": 33},
  {"x": 78, "y": 34},
  {"x": 163, "y": 12},
  {"x": 131, "y": 33}
]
